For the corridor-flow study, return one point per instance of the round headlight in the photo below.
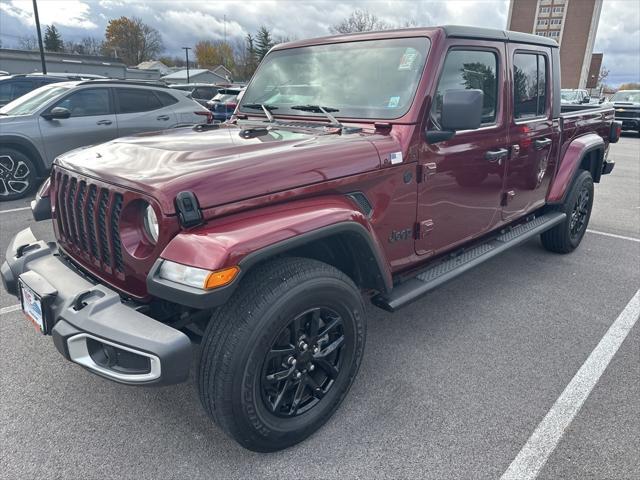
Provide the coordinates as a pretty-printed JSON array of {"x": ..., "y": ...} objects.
[{"x": 151, "y": 224}]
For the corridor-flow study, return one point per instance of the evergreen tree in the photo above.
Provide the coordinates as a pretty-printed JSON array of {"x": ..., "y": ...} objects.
[
  {"x": 264, "y": 42},
  {"x": 52, "y": 39}
]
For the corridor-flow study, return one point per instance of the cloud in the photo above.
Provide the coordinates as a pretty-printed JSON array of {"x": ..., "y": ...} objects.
[{"x": 68, "y": 13}]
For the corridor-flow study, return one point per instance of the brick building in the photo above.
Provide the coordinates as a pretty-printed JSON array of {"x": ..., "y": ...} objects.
[{"x": 572, "y": 23}]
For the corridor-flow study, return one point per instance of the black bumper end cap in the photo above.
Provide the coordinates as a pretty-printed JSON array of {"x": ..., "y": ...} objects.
[
  {"x": 9, "y": 281},
  {"x": 41, "y": 208}
]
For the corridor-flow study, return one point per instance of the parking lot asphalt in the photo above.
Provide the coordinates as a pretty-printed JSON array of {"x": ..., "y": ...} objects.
[{"x": 452, "y": 386}]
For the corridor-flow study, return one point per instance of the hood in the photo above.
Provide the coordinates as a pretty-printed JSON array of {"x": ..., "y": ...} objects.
[{"x": 222, "y": 166}]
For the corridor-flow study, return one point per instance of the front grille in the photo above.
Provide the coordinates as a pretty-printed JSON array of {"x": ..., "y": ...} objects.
[
  {"x": 628, "y": 114},
  {"x": 88, "y": 217}
]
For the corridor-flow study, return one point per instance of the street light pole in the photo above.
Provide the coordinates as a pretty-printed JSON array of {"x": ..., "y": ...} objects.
[
  {"x": 186, "y": 52},
  {"x": 37, "y": 19}
]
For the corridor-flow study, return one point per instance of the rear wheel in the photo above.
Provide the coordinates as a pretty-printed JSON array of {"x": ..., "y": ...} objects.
[
  {"x": 566, "y": 236},
  {"x": 17, "y": 174},
  {"x": 278, "y": 359}
]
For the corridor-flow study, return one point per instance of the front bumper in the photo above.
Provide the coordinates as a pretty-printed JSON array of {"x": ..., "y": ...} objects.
[
  {"x": 629, "y": 123},
  {"x": 90, "y": 324}
]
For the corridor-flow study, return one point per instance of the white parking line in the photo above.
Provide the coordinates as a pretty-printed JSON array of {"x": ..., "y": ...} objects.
[
  {"x": 15, "y": 210},
  {"x": 546, "y": 436},
  {"x": 613, "y": 235},
  {"x": 10, "y": 309}
]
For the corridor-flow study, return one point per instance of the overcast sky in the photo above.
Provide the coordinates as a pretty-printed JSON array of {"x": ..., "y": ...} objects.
[{"x": 182, "y": 23}]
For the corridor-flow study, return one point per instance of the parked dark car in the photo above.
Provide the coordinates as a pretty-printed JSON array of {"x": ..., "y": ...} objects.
[
  {"x": 626, "y": 104},
  {"x": 224, "y": 103},
  {"x": 200, "y": 92},
  {"x": 14, "y": 86},
  {"x": 257, "y": 241}
]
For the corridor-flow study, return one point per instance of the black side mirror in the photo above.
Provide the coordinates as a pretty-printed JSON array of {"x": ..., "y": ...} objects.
[
  {"x": 57, "y": 113},
  {"x": 586, "y": 100},
  {"x": 461, "y": 110}
]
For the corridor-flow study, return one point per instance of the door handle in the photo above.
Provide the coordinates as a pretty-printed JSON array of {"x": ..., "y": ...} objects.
[
  {"x": 162, "y": 117},
  {"x": 103, "y": 122},
  {"x": 541, "y": 143},
  {"x": 496, "y": 155}
]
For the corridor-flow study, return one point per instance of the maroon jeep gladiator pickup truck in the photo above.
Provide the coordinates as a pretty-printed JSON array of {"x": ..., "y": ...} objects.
[{"x": 376, "y": 165}]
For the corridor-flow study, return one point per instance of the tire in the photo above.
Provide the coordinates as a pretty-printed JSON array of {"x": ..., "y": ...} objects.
[
  {"x": 253, "y": 337},
  {"x": 566, "y": 236},
  {"x": 18, "y": 175}
]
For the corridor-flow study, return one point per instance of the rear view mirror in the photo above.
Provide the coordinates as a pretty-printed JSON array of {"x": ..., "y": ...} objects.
[
  {"x": 57, "y": 113},
  {"x": 461, "y": 110}
]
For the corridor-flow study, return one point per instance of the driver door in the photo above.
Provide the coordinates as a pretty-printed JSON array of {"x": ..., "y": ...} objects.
[
  {"x": 92, "y": 121},
  {"x": 460, "y": 187}
]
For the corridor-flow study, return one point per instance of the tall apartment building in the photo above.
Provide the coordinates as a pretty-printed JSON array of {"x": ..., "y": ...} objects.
[{"x": 572, "y": 23}]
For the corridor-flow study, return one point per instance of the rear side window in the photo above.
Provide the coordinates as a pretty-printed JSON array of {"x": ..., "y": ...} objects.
[
  {"x": 133, "y": 100},
  {"x": 166, "y": 98},
  {"x": 204, "y": 92},
  {"x": 529, "y": 85},
  {"x": 20, "y": 88},
  {"x": 87, "y": 102},
  {"x": 467, "y": 70}
]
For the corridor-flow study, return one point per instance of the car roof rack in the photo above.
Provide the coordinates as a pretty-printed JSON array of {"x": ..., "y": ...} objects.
[{"x": 116, "y": 81}]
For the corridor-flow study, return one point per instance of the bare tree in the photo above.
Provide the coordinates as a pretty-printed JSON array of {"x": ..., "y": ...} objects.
[
  {"x": 360, "y": 20},
  {"x": 28, "y": 42}
]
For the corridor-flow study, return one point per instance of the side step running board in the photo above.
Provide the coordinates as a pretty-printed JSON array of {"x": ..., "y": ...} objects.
[{"x": 444, "y": 271}]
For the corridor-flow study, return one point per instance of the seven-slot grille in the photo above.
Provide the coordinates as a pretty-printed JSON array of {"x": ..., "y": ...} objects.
[{"x": 88, "y": 220}]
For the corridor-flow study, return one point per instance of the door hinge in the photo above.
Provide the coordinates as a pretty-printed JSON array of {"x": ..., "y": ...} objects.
[
  {"x": 507, "y": 197},
  {"x": 423, "y": 228},
  {"x": 425, "y": 170}
]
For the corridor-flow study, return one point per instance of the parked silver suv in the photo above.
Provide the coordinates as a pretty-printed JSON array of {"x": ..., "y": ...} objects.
[{"x": 56, "y": 118}]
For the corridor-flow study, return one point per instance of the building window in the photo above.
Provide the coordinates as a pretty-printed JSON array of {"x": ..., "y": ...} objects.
[
  {"x": 554, "y": 34},
  {"x": 545, "y": 9},
  {"x": 556, "y": 21},
  {"x": 558, "y": 9},
  {"x": 543, "y": 22},
  {"x": 469, "y": 69},
  {"x": 529, "y": 85},
  {"x": 542, "y": 33}
]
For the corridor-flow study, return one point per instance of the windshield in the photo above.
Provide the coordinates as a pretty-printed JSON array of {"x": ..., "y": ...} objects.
[
  {"x": 369, "y": 79},
  {"x": 568, "y": 95},
  {"x": 632, "y": 96},
  {"x": 32, "y": 101}
]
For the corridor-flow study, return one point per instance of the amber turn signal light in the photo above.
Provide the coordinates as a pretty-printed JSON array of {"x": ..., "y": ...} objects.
[{"x": 220, "y": 278}]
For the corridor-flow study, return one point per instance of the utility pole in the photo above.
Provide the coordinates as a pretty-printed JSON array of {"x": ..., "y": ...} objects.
[
  {"x": 37, "y": 18},
  {"x": 186, "y": 52}
]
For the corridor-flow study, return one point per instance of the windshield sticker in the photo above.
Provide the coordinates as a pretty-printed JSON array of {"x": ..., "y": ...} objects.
[
  {"x": 408, "y": 59},
  {"x": 395, "y": 158},
  {"x": 393, "y": 102}
]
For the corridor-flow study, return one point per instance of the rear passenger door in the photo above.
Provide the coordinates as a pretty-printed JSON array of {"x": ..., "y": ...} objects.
[
  {"x": 532, "y": 131},
  {"x": 142, "y": 110}
]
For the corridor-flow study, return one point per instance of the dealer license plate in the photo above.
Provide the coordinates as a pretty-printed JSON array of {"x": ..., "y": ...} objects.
[{"x": 32, "y": 306}]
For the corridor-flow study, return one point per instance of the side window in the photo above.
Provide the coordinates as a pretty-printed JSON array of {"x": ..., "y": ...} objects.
[
  {"x": 132, "y": 100},
  {"x": 203, "y": 93},
  {"x": 87, "y": 102},
  {"x": 166, "y": 98},
  {"x": 529, "y": 85},
  {"x": 20, "y": 88},
  {"x": 469, "y": 69}
]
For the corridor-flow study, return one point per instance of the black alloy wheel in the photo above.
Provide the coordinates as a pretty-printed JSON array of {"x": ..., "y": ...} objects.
[{"x": 303, "y": 362}]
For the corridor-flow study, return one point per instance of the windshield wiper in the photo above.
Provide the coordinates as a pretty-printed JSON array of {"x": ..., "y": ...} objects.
[
  {"x": 265, "y": 108},
  {"x": 318, "y": 109}
]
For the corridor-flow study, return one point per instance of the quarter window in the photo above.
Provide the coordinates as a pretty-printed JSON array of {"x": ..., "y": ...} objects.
[
  {"x": 530, "y": 85},
  {"x": 166, "y": 98},
  {"x": 466, "y": 70},
  {"x": 87, "y": 102},
  {"x": 132, "y": 100}
]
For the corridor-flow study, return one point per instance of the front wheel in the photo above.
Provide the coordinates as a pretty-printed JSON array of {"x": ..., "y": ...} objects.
[
  {"x": 278, "y": 359},
  {"x": 566, "y": 236},
  {"x": 17, "y": 174}
]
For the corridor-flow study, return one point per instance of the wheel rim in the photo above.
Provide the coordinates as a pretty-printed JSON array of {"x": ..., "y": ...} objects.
[
  {"x": 14, "y": 176},
  {"x": 303, "y": 362},
  {"x": 579, "y": 213}
]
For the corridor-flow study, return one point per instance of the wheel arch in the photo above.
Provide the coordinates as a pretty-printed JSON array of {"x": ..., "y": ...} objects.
[
  {"x": 27, "y": 148},
  {"x": 584, "y": 153}
]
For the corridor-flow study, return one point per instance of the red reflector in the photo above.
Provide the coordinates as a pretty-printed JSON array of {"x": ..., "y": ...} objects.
[{"x": 208, "y": 114}]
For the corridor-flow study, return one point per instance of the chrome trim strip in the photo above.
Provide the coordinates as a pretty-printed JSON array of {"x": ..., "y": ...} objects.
[{"x": 79, "y": 354}]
